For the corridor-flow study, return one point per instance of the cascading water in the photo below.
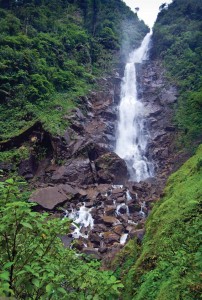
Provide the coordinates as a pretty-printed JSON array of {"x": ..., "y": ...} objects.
[
  {"x": 82, "y": 219},
  {"x": 131, "y": 134}
]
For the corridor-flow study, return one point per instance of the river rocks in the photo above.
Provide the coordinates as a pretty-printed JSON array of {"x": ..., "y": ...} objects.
[
  {"x": 110, "y": 223},
  {"x": 110, "y": 210},
  {"x": 110, "y": 237},
  {"x": 119, "y": 229},
  {"x": 108, "y": 220}
]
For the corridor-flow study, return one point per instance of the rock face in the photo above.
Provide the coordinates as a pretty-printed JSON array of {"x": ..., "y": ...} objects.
[
  {"x": 159, "y": 98},
  {"x": 77, "y": 171},
  {"x": 111, "y": 169}
]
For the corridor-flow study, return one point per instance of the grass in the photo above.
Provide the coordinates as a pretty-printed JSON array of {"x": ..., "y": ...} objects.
[{"x": 169, "y": 265}]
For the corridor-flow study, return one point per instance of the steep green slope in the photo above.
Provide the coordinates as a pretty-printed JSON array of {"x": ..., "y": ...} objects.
[
  {"x": 169, "y": 264},
  {"x": 50, "y": 52},
  {"x": 177, "y": 40}
]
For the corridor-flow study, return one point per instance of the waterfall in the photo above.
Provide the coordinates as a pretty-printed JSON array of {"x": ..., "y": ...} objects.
[
  {"x": 132, "y": 134},
  {"x": 82, "y": 221}
]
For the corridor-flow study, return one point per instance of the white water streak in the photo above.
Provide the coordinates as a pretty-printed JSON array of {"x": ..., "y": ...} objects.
[
  {"x": 132, "y": 135},
  {"x": 83, "y": 219}
]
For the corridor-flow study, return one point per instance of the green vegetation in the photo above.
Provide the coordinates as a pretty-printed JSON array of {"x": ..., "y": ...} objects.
[
  {"x": 15, "y": 155},
  {"x": 177, "y": 40},
  {"x": 33, "y": 261},
  {"x": 169, "y": 264},
  {"x": 50, "y": 53}
]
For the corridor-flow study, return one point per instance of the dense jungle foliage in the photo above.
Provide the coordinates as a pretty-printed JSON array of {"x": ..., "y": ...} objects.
[
  {"x": 50, "y": 53},
  {"x": 34, "y": 264},
  {"x": 168, "y": 265},
  {"x": 177, "y": 40}
]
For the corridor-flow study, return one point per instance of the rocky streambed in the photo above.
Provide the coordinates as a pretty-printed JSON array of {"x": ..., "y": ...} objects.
[{"x": 83, "y": 179}]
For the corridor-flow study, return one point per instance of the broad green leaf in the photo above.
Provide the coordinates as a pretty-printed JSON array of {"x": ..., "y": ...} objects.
[
  {"x": 4, "y": 275},
  {"x": 10, "y": 181},
  {"x": 8, "y": 265},
  {"x": 49, "y": 288},
  {"x": 27, "y": 225},
  {"x": 36, "y": 282}
]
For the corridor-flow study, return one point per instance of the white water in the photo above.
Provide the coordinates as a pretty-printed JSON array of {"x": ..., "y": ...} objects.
[
  {"x": 82, "y": 219},
  {"x": 128, "y": 196},
  {"x": 132, "y": 135},
  {"x": 141, "y": 209},
  {"x": 124, "y": 206},
  {"x": 123, "y": 238}
]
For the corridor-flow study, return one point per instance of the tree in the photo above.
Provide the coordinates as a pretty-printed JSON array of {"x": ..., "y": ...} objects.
[{"x": 33, "y": 261}]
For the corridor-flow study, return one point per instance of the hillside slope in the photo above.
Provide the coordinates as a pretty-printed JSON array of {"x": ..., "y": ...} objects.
[
  {"x": 177, "y": 40},
  {"x": 50, "y": 54},
  {"x": 168, "y": 265}
]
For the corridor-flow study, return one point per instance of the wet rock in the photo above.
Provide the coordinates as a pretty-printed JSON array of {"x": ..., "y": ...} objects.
[
  {"x": 138, "y": 187},
  {"x": 110, "y": 237},
  {"x": 108, "y": 220},
  {"x": 108, "y": 201},
  {"x": 123, "y": 219},
  {"x": 153, "y": 110},
  {"x": 168, "y": 96},
  {"x": 28, "y": 167},
  {"x": 133, "y": 207},
  {"x": 89, "y": 204},
  {"x": 131, "y": 227},
  {"x": 119, "y": 229},
  {"x": 91, "y": 251},
  {"x": 78, "y": 244},
  {"x": 111, "y": 169},
  {"x": 94, "y": 238},
  {"x": 67, "y": 137},
  {"x": 69, "y": 191},
  {"x": 120, "y": 200},
  {"x": 92, "y": 193},
  {"x": 100, "y": 228},
  {"x": 77, "y": 171},
  {"x": 49, "y": 197},
  {"x": 102, "y": 250},
  {"x": 66, "y": 240},
  {"x": 110, "y": 210},
  {"x": 123, "y": 209},
  {"x": 139, "y": 233},
  {"x": 77, "y": 127},
  {"x": 79, "y": 147},
  {"x": 119, "y": 192}
]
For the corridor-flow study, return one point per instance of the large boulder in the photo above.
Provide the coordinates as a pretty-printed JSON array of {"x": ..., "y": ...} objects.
[
  {"x": 110, "y": 237},
  {"x": 111, "y": 169},
  {"x": 77, "y": 171},
  {"x": 50, "y": 197}
]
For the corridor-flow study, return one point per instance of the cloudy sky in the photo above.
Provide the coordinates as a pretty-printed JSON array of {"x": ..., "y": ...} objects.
[{"x": 148, "y": 9}]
